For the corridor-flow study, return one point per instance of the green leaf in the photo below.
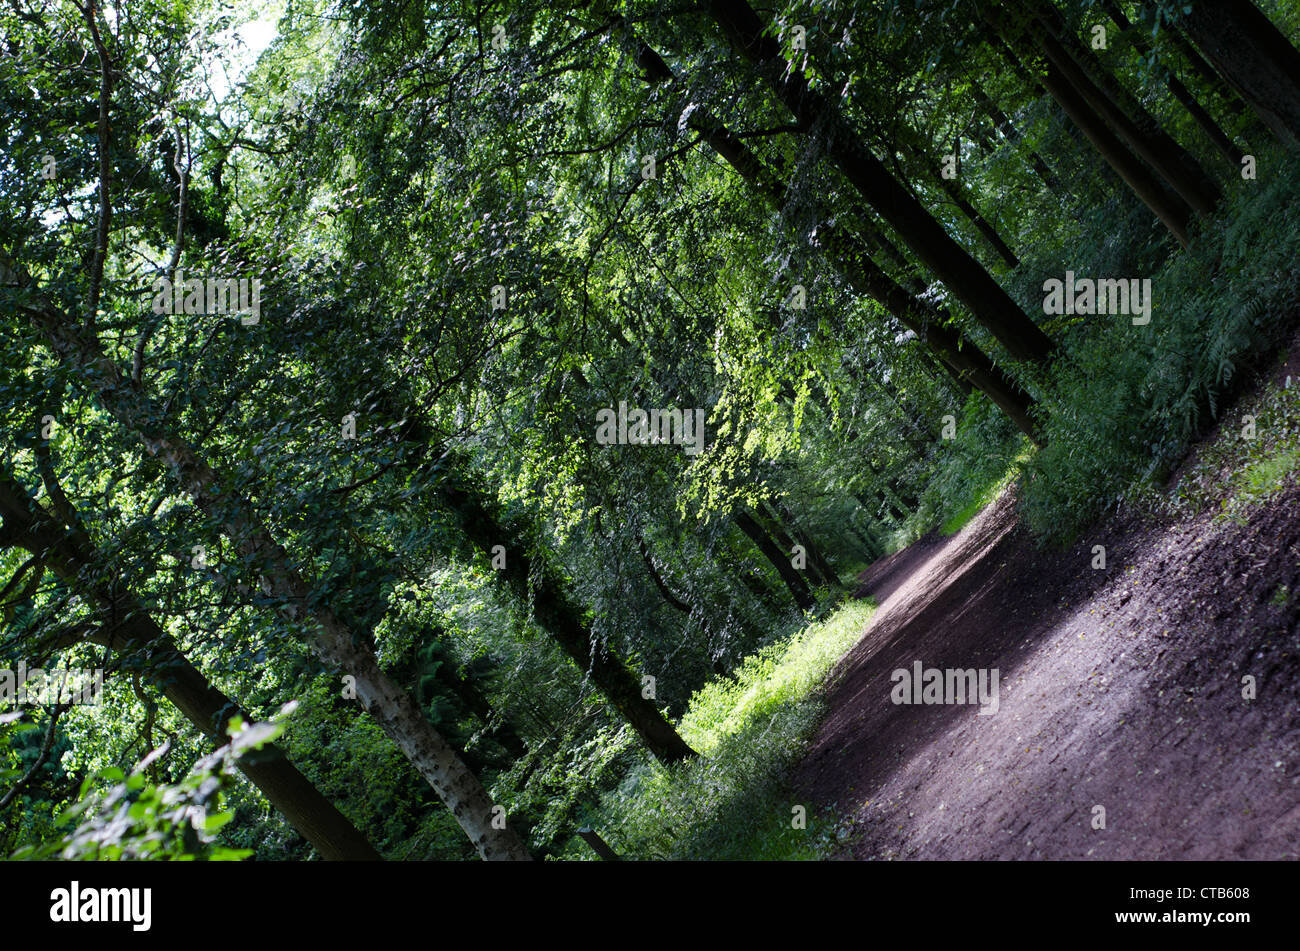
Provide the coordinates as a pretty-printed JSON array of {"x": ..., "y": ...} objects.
[{"x": 214, "y": 822}]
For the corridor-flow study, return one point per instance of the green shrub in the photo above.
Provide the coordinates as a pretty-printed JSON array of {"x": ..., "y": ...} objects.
[{"x": 126, "y": 817}]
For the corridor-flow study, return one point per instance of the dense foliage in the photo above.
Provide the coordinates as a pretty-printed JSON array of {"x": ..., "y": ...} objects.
[{"x": 468, "y": 237}]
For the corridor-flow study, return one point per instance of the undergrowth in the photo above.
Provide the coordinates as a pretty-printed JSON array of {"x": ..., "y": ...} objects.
[
  {"x": 1254, "y": 455},
  {"x": 1129, "y": 401},
  {"x": 1126, "y": 402},
  {"x": 733, "y": 801}
]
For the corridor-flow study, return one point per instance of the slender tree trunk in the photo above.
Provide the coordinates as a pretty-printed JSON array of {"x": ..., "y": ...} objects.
[
  {"x": 771, "y": 523},
  {"x": 540, "y": 586},
  {"x": 968, "y": 280},
  {"x": 946, "y": 373},
  {"x": 128, "y": 628},
  {"x": 887, "y": 499},
  {"x": 908, "y": 496},
  {"x": 983, "y": 139},
  {"x": 871, "y": 545},
  {"x": 779, "y": 560},
  {"x": 867, "y": 234},
  {"x": 917, "y": 436},
  {"x": 1012, "y": 59},
  {"x": 598, "y": 845},
  {"x": 1012, "y": 135},
  {"x": 1205, "y": 122},
  {"x": 664, "y": 591},
  {"x": 991, "y": 235},
  {"x": 955, "y": 193},
  {"x": 1254, "y": 57},
  {"x": 874, "y": 240},
  {"x": 901, "y": 511}
]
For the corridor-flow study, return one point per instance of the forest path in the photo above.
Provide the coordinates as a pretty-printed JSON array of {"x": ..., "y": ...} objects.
[{"x": 1119, "y": 688}]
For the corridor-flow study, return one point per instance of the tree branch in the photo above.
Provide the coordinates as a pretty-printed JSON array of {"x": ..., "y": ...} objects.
[
  {"x": 46, "y": 746},
  {"x": 105, "y": 167}
]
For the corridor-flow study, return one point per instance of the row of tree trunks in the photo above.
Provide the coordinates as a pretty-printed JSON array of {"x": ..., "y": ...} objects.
[
  {"x": 988, "y": 303},
  {"x": 1121, "y": 110},
  {"x": 1168, "y": 207},
  {"x": 650, "y": 60},
  {"x": 620, "y": 339},
  {"x": 928, "y": 323},
  {"x": 854, "y": 262},
  {"x": 1200, "y": 115},
  {"x": 1158, "y": 170},
  {"x": 335, "y": 641},
  {"x": 330, "y": 639},
  {"x": 484, "y": 526},
  {"x": 1254, "y": 57},
  {"x": 815, "y": 554},
  {"x": 779, "y": 559},
  {"x": 776, "y": 527},
  {"x": 126, "y": 628}
]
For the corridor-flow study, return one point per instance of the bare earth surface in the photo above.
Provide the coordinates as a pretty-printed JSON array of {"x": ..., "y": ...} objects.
[{"x": 1119, "y": 687}]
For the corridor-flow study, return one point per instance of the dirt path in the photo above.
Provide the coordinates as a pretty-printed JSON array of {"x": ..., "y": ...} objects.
[{"x": 1119, "y": 688}]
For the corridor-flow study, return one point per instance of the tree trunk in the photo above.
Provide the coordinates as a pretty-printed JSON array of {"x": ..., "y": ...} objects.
[
  {"x": 598, "y": 845},
  {"x": 968, "y": 280},
  {"x": 1254, "y": 57},
  {"x": 540, "y": 586},
  {"x": 865, "y": 230},
  {"x": 127, "y": 628},
  {"x": 1209, "y": 76},
  {"x": 946, "y": 373},
  {"x": 887, "y": 499},
  {"x": 467, "y": 692},
  {"x": 394, "y": 710},
  {"x": 991, "y": 235},
  {"x": 780, "y": 560},
  {"x": 760, "y": 589}
]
